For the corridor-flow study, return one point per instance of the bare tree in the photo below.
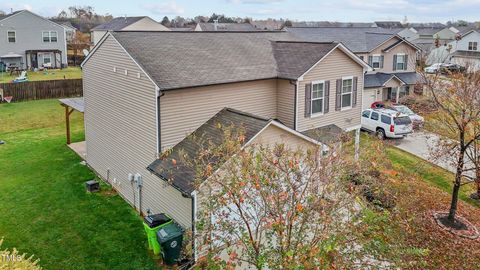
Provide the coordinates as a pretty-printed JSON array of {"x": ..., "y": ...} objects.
[{"x": 457, "y": 97}]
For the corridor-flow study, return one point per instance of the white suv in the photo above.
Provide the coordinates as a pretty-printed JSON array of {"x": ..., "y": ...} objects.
[{"x": 386, "y": 123}]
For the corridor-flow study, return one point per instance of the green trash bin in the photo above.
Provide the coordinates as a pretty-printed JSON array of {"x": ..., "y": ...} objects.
[
  {"x": 153, "y": 223},
  {"x": 170, "y": 238}
]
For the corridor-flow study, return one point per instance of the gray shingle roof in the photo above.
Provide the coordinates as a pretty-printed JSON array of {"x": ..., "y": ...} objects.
[
  {"x": 379, "y": 79},
  {"x": 189, "y": 59},
  {"x": 227, "y": 27},
  {"x": 428, "y": 30},
  {"x": 295, "y": 58},
  {"x": 389, "y": 24},
  {"x": 357, "y": 39},
  {"x": 118, "y": 23},
  {"x": 2, "y": 17},
  {"x": 467, "y": 54},
  {"x": 332, "y": 24},
  {"x": 182, "y": 172},
  {"x": 327, "y": 134}
]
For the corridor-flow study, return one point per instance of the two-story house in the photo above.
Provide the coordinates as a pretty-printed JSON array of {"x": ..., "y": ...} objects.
[
  {"x": 29, "y": 41},
  {"x": 392, "y": 58},
  {"x": 466, "y": 50},
  {"x": 145, "y": 92},
  {"x": 140, "y": 23}
]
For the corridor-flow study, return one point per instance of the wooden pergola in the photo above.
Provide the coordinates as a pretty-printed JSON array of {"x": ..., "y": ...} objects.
[{"x": 71, "y": 104}]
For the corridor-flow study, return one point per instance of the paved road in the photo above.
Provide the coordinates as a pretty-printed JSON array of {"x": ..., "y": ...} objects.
[{"x": 420, "y": 145}]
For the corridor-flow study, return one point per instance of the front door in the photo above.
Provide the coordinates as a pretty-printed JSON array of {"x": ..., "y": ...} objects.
[{"x": 34, "y": 60}]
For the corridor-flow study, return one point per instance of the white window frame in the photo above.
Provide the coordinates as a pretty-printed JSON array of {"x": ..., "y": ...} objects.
[
  {"x": 473, "y": 46},
  {"x": 347, "y": 93},
  {"x": 379, "y": 60},
  {"x": 312, "y": 114},
  {"x": 15, "y": 36},
  {"x": 49, "y": 36},
  {"x": 48, "y": 56},
  {"x": 404, "y": 67}
]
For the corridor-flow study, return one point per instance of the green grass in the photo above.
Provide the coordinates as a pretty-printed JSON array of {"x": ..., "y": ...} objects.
[
  {"x": 430, "y": 173},
  {"x": 44, "y": 207},
  {"x": 51, "y": 74}
]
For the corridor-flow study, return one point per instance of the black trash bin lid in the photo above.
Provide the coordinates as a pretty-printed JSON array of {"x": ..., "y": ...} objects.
[
  {"x": 169, "y": 232},
  {"x": 156, "y": 220}
]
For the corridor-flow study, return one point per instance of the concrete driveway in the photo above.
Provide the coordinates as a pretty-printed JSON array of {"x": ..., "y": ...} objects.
[{"x": 420, "y": 145}]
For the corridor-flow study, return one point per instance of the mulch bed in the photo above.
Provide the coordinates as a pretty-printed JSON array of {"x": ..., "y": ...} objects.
[{"x": 461, "y": 227}]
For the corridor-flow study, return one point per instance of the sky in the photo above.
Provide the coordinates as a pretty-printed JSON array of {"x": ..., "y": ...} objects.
[{"x": 299, "y": 10}]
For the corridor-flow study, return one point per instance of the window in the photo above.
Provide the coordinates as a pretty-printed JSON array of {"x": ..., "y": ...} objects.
[
  {"x": 366, "y": 114},
  {"x": 318, "y": 96},
  {"x": 49, "y": 36},
  {"x": 472, "y": 46},
  {"x": 386, "y": 119},
  {"x": 401, "y": 65},
  {"x": 47, "y": 59},
  {"x": 403, "y": 91},
  {"x": 377, "y": 61},
  {"x": 12, "y": 36},
  {"x": 374, "y": 116},
  {"x": 347, "y": 89}
]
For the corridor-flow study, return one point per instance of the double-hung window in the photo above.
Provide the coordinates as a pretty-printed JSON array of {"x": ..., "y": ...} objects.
[
  {"x": 318, "y": 97},
  {"x": 49, "y": 36},
  {"x": 376, "y": 61},
  {"x": 12, "y": 36},
  {"x": 472, "y": 46},
  {"x": 347, "y": 92},
  {"x": 401, "y": 65}
]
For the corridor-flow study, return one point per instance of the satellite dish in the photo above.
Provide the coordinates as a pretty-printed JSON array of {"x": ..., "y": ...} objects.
[{"x": 85, "y": 52}]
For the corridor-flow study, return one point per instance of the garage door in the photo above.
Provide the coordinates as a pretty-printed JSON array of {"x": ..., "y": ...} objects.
[{"x": 369, "y": 97}]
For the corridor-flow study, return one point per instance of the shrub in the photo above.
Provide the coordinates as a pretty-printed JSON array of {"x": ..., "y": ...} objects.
[{"x": 12, "y": 260}]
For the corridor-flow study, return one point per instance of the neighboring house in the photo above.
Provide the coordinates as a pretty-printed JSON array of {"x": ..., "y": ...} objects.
[
  {"x": 465, "y": 51},
  {"x": 332, "y": 24},
  {"x": 142, "y": 23},
  {"x": 70, "y": 30},
  {"x": 216, "y": 26},
  {"x": 279, "y": 89},
  {"x": 392, "y": 58},
  {"x": 389, "y": 24},
  {"x": 30, "y": 41}
]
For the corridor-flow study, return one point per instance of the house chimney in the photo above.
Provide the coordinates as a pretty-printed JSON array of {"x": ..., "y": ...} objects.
[{"x": 215, "y": 24}]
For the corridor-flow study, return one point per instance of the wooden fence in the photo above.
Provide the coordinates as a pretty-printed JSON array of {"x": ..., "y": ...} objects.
[{"x": 42, "y": 89}]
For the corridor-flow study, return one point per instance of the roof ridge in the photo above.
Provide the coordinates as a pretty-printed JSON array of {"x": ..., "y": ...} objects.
[{"x": 305, "y": 42}]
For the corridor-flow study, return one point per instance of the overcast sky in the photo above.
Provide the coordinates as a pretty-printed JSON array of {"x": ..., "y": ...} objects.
[{"x": 317, "y": 10}]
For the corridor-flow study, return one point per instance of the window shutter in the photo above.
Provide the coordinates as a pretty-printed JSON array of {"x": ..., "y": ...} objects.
[
  {"x": 370, "y": 60},
  {"x": 394, "y": 62},
  {"x": 308, "y": 99},
  {"x": 354, "y": 91},
  {"x": 338, "y": 96},
  {"x": 406, "y": 62},
  {"x": 326, "y": 97},
  {"x": 381, "y": 61}
]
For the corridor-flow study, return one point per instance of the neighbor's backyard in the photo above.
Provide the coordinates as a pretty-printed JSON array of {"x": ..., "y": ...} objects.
[
  {"x": 48, "y": 74},
  {"x": 45, "y": 210}
]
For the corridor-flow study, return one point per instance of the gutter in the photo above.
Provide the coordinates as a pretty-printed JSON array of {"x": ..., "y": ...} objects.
[
  {"x": 295, "y": 83},
  {"x": 159, "y": 134}
]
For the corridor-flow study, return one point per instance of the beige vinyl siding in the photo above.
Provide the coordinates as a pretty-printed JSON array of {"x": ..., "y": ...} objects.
[
  {"x": 393, "y": 83},
  {"x": 388, "y": 56},
  {"x": 184, "y": 110},
  {"x": 286, "y": 102},
  {"x": 273, "y": 135},
  {"x": 120, "y": 123},
  {"x": 96, "y": 36},
  {"x": 335, "y": 66},
  {"x": 146, "y": 24}
]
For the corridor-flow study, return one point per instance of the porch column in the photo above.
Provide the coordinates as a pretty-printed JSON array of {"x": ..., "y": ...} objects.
[
  {"x": 67, "y": 122},
  {"x": 398, "y": 94},
  {"x": 357, "y": 143}
]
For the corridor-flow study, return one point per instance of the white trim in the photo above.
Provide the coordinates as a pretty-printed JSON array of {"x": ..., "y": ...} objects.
[
  {"x": 394, "y": 76},
  {"x": 347, "y": 93},
  {"x": 195, "y": 244},
  {"x": 322, "y": 82},
  {"x": 157, "y": 94},
  {"x": 14, "y": 31},
  {"x": 399, "y": 37},
  {"x": 50, "y": 36},
  {"x": 354, "y": 127}
]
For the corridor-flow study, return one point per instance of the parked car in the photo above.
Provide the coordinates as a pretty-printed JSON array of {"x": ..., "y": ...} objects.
[
  {"x": 452, "y": 68},
  {"x": 417, "y": 120},
  {"x": 433, "y": 68},
  {"x": 377, "y": 105},
  {"x": 386, "y": 123}
]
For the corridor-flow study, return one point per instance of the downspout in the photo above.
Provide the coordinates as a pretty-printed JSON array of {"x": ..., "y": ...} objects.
[
  {"x": 194, "y": 215},
  {"x": 295, "y": 83}
]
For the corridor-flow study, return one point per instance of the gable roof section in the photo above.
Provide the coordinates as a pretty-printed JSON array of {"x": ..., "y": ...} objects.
[
  {"x": 379, "y": 79},
  {"x": 357, "y": 39},
  {"x": 194, "y": 59},
  {"x": 295, "y": 58},
  {"x": 118, "y": 23},
  {"x": 389, "y": 24},
  {"x": 211, "y": 134},
  {"x": 6, "y": 16},
  {"x": 400, "y": 41}
]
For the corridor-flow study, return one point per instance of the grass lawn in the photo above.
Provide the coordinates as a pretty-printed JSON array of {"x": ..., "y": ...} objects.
[
  {"x": 45, "y": 209},
  {"x": 51, "y": 74}
]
